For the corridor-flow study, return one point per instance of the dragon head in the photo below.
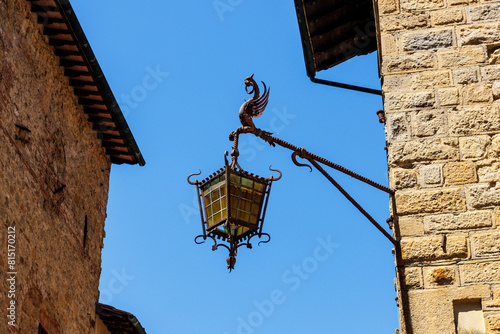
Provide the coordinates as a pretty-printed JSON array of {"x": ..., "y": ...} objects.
[{"x": 250, "y": 82}]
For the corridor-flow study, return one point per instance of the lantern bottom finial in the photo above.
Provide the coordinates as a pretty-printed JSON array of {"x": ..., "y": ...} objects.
[{"x": 231, "y": 260}]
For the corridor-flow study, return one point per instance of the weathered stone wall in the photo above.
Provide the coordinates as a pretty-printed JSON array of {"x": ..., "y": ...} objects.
[
  {"x": 53, "y": 182},
  {"x": 440, "y": 68}
]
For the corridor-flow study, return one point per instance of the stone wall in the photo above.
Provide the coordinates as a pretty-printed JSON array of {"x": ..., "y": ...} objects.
[
  {"x": 440, "y": 69},
  {"x": 53, "y": 185}
]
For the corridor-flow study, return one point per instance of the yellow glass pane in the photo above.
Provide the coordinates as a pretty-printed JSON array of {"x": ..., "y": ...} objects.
[
  {"x": 259, "y": 186},
  {"x": 253, "y": 220},
  {"x": 244, "y": 216},
  {"x": 233, "y": 201},
  {"x": 216, "y": 206},
  {"x": 234, "y": 179},
  {"x": 246, "y": 193},
  {"x": 247, "y": 182},
  {"x": 233, "y": 212},
  {"x": 215, "y": 194},
  {"x": 245, "y": 205},
  {"x": 223, "y": 190},
  {"x": 234, "y": 190},
  {"x": 241, "y": 230},
  {"x": 209, "y": 210},
  {"x": 218, "y": 217},
  {"x": 255, "y": 209},
  {"x": 214, "y": 183},
  {"x": 223, "y": 203},
  {"x": 224, "y": 214},
  {"x": 207, "y": 199},
  {"x": 210, "y": 222},
  {"x": 257, "y": 197}
]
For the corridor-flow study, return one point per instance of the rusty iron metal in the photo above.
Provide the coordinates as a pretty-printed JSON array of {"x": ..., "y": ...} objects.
[
  {"x": 390, "y": 222},
  {"x": 222, "y": 230},
  {"x": 356, "y": 204},
  {"x": 314, "y": 159},
  {"x": 255, "y": 106},
  {"x": 381, "y": 116},
  {"x": 302, "y": 153}
]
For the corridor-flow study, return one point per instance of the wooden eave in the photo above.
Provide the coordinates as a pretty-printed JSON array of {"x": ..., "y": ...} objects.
[
  {"x": 118, "y": 321},
  {"x": 333, "y": 31},
  {"x": 66, "y": 36}
]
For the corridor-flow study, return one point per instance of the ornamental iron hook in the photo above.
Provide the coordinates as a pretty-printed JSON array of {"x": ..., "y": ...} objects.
[
  {"x": 195, "y": 181},
  {"x": 275, "y": 170},
  {"x": 294, "y": 159},
  {"x": 265, "y": 241}
]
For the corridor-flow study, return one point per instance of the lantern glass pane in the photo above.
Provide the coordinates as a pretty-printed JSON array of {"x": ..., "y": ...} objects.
[
  {"x": 215, "y": 200},
  {"x": 245, "y": 205},
  {"x": 234, "y": 201},
  {"x": 215, "y": 194},
  {"x": 259, "y": 186},
  {"x": 244, "y": 216},
  {"x": 247, "y": 182},
  {"x": 216, "y": 206},
  {"x": 235, "y": 178},
  {"x": 257, "y": 197},
  {"x": 245, "y": 199},
  {"x": 241, "y": 230}
]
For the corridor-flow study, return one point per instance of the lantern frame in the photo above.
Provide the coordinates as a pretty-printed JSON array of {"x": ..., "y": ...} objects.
[{"x": 244, "y": 198}]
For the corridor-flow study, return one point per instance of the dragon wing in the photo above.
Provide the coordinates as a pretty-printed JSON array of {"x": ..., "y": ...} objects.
[{"x": 260, "y": 104}]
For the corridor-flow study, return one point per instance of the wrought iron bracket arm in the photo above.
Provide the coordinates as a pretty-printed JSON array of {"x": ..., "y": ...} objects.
[
  {"x": 303, "y": 153},
  {"x": 314, "y": 160}
]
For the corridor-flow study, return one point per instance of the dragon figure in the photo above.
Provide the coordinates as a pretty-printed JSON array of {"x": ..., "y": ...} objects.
[{"x": 254, "y": 107}]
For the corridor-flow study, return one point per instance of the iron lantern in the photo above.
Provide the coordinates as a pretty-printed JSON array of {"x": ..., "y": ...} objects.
[
  {"x": 233, "y": 202},
  {"x": 233, "y": 205}
]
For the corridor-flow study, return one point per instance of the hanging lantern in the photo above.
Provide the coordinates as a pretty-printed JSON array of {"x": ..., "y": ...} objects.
[{"x": 232, "y": 208}]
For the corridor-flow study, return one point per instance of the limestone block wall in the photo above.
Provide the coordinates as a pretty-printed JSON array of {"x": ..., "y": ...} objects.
[
  {"x": 440, "y": 71},
  {"x": 53, "y": 185}
]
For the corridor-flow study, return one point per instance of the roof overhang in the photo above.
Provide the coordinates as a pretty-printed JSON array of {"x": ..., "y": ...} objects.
[
  {"x": 333, "y": 31},
  {"x": 118, "y": 321},
  {"x": 66, "y": 36}
]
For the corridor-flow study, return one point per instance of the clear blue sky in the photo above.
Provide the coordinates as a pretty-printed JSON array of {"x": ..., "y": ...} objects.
[{"x": 177, "y": 70}]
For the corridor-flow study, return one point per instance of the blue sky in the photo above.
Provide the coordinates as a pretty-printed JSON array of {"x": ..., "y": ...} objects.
[{"x": 177, "y": 70}]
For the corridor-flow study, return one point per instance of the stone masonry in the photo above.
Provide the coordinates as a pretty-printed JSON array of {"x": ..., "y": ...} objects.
[
  {"x": 440, "y": 70},
  {"x": 53, "y": 185}
]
